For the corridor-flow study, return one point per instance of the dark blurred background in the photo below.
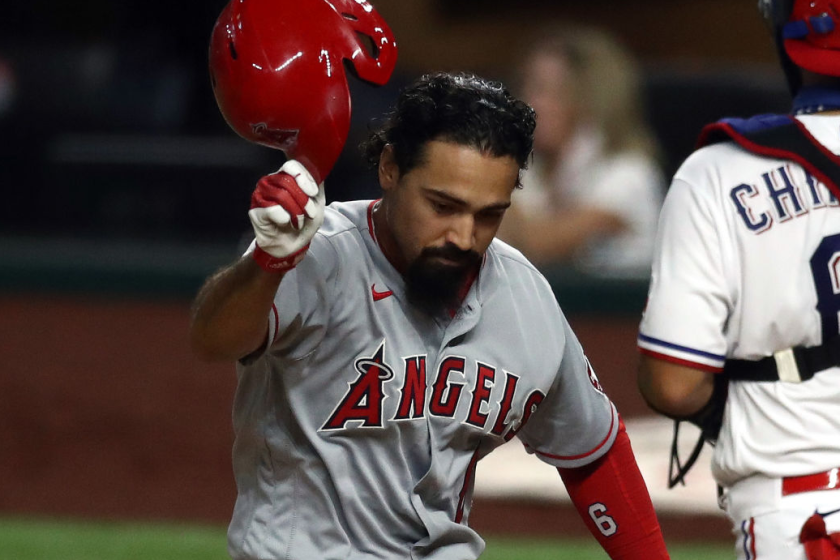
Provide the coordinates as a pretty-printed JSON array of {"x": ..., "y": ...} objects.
[{"x": 108, "y": 126}]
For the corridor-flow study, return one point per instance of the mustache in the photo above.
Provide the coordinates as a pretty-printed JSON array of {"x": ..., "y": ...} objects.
[{"x": 453, "y": 253}]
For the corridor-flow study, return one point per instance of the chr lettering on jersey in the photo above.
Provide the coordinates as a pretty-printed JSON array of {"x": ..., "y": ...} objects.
[{"x": 781, "y": 195}]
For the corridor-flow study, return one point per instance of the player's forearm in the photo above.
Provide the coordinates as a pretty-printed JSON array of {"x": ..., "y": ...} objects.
[
  {"x": 672, "y": 389},
  {"x": 230, "y": 313},
  {"x": 611, "y": 497}
]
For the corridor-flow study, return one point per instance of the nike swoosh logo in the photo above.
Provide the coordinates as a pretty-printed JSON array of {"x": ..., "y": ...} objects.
[
  {"x": 827, "y": 513},
  {"x": 377, "y": 296}
]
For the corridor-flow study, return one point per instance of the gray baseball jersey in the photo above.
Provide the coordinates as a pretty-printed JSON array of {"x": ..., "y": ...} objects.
[{"x": 358, "y": 430}]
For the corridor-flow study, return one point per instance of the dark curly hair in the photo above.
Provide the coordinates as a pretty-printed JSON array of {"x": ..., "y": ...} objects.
[{"x": 454, "y": 107}]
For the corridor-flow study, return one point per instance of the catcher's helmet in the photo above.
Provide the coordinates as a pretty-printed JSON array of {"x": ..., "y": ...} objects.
[
  {"x": 278, "y": 71},
  {"x": 807, "y": 33}
]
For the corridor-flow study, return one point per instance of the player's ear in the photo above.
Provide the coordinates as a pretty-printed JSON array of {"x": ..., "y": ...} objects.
[{"x": 389, "y": 171}]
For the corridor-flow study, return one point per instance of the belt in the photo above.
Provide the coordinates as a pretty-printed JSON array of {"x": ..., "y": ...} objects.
[{"x": 828, "y": 480}]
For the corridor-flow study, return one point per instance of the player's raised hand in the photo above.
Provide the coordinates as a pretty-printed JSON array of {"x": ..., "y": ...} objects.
[{"x": 287, "y": 208}]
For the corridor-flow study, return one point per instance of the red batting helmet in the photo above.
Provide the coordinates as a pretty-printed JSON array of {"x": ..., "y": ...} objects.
[
  {"x": 277, "y": 69},
  {"x": 807, "y": 32}
]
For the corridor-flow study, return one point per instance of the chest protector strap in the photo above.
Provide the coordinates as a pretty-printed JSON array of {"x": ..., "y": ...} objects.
[{"x": 793, "y": 365}]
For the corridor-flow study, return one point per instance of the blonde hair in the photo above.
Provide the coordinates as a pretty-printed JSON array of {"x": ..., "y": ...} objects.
[{"x": 606, "y": 85}]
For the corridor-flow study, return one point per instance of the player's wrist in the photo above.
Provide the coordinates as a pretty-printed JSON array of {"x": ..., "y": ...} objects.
[{"x": 275, "y": 265}]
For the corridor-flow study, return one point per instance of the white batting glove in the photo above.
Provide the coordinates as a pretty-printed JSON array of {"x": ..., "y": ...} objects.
[{"x": 287, "y": 208}]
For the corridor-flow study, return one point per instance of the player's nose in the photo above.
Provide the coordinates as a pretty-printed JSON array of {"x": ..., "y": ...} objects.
[{"x": 461, "y": 232}]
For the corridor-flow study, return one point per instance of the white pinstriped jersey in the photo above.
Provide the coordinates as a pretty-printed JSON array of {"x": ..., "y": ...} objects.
[
  {"x": 358, "y": 431},
  {"x": 748, "y": 263}
]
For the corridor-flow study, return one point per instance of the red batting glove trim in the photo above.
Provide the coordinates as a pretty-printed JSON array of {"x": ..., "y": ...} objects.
[
  {"x": 611, "y": 497},
  {"x": 272, "y": 264}
]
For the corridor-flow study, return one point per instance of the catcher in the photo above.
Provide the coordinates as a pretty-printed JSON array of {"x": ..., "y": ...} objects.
[{"x": 741, "y": 330}]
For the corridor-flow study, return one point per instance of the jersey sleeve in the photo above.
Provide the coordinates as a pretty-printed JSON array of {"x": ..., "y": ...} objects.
[
  {"x": 576, "y": 423},
  {"x": 300, "y": 313},
  {"x": 688, "y": 300}
]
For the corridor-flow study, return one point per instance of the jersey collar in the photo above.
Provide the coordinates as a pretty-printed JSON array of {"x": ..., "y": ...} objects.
[
  {"x": 815, "y": 99},
  {"x": 469, "y": 282}
]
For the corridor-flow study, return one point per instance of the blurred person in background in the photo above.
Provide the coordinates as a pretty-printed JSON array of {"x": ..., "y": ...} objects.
[{"x": 592, "y": 196}]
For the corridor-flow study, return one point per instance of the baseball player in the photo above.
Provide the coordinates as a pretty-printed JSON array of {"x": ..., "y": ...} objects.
[
  {"x": 740, "y": 334},
  {"x": 384, "y": 347}
]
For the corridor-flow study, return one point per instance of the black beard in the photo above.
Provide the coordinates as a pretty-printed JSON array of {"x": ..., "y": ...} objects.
[{"x": 435, "y": 287}]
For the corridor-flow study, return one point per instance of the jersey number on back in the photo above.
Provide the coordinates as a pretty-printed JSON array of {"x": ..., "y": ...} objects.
[{"x": 825, "y": 268}]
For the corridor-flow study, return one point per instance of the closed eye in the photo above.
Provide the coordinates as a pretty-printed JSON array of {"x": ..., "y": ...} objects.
[
  {"x": 494, "y": 214},
  {"x": 442, "y": 207},
  {"x": 491, "y": 216}
]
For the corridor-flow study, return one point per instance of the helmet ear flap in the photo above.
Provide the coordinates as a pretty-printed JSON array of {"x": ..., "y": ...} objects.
[{"x": 374, "y": 49}]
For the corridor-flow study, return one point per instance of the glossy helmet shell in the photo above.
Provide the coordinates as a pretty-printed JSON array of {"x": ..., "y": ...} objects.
[
  {"x": 278, "y": 72},
  {"x": 807, "y": 33},
  {"x": 812, "y": 36}
]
